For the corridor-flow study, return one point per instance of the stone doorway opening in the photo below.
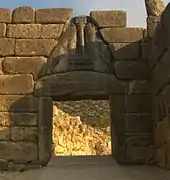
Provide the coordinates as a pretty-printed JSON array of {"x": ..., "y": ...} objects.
[
  {"x": 77, "y": 86},
  {"x": 81, "y": 128}
]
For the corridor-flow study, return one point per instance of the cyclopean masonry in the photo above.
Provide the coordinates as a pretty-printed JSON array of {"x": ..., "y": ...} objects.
[{"x": 47, "y": 55}]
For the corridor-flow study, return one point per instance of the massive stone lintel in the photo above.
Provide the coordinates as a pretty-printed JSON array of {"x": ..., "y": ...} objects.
[{"x": 82, "y": 85}]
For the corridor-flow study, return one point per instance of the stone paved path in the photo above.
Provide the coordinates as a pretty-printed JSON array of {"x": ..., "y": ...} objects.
[{"x": 89, "y": 168}]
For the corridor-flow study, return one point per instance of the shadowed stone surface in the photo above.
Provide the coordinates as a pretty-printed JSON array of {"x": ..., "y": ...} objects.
[
  {"x": 18, "y": 103},
  {"x": 22, "y": 151},
  {"x": 17, "y": 119},
  {"x": 24, "y": 65},
  {"x": 132, "y": 70},
  {"x": 123, "y": 51},
  {"x": 79, "y": 84}
]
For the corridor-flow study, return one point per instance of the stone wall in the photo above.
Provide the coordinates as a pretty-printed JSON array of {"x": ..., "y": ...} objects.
[
  {"x": 160, "y": 61},
  {"x": 36, "y": 67}
]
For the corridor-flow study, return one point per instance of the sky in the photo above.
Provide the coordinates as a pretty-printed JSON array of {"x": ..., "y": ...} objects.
[{"x": 136, "y": 13}]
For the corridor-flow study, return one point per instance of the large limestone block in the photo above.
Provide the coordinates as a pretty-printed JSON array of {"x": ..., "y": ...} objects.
[
  {"x": 17, "y": 119},
  {"x": 80, "y": 83},
  {"x": 28, "y": 134},
  {"x": 137, "y": 104},
  {"x": 18, "y": 151},
  {"x": 109, "y": 18},
  {"x": 33, "y": 31},
  {"x": 7, "y": 46},
  {"x": 5, "y": 15},
  {"x": 2, "y": 29},
  {"x": 23, "y": 14},
  {"x": 18, "y": 103},
  {"x": 53, "y": 15},
  {"x": 138, "y": 123},
  {"x": 125, "y": 51},
  {"x": 132, "y": 70},
  {"x": 122, "y": 35},
  {"x": 16, "y": 84},
  {"x": 34, "y": 47},
  {"x": 25, "y": 65}
]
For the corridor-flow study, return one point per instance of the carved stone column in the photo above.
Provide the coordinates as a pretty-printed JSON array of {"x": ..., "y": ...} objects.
[{"x": 80, "y": 23}]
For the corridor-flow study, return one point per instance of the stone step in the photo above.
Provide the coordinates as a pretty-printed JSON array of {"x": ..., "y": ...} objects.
[
  {"x": 82, "y": 57},
  {"x": 81, "y": 63},
  {"x": 81, "y": 68}
]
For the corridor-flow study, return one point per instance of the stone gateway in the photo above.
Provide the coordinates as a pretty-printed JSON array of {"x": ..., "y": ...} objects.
[{"x": 46, "y": 55}]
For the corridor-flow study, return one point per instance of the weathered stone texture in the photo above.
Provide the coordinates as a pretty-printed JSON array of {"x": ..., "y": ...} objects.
[
  {"x": 168, "y": 154},
  {"x": 22, "y": 152},
  {"x": 2, "y": 30},
  {"x": 28, "y": 134},
  {"x": 140, "y": 139},
  {"x": 138, "y": 87},
  {"x": 137, "y": 104},
  {"x": 23, "y": 14},
  {"x": 5, "y": 119},
  {"x": 79, "y": 84},
  {"x": 123, "y": 51},
  {"x": 4, "y": 133},
  {"x": 139, "y": 154},
  {"x": 17, "y": 119},
  {"x": 160, "y": 74},
  {"x": 33, "y": 31},
  {"x": 136, "y": 123},
  {"x": 109, "y": 18},
  {"x": 45, "y": 112},
  {"x": 7, "y": 46},
  {"x": 132, "y": 70},
  {"x": 152, "y": 22},
  {"x": 117, "y": 105},
  {"x": 145, "y": 51},
  {"x": 25, "y": 65},
  {"x": 122, "y": 35},
  {"x": 165, "y": 27},
  {"x": 1, "y": 71},
  {"x": 166, "y": 98},
  {"x": 37, "y": 47},
  {"x": 24, "y": 119},
  {"x": 16, "y": 84},
  {"x": 5, "y": 15},
  {"x": 160, "y": 135},
  {"x": 18, "y": 103},
  {"x": 118, "y": 128},
  {"x": 160, "y": 157},
  {"x": 53, "y": 15}
]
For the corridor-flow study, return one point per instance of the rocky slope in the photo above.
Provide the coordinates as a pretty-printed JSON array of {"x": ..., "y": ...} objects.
[{"x": 81, "y": 128}]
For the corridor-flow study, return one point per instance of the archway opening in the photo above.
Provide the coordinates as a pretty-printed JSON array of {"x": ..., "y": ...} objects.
[
  {"x": 81, "y": 128},
  {"x": 82, "y": 86}
]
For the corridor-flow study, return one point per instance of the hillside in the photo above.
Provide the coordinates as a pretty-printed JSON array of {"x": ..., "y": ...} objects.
[{"x": 81, "y": 128}]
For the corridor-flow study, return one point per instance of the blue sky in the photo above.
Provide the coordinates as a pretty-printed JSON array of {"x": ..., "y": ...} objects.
[{"x": 135, "y": 8}]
